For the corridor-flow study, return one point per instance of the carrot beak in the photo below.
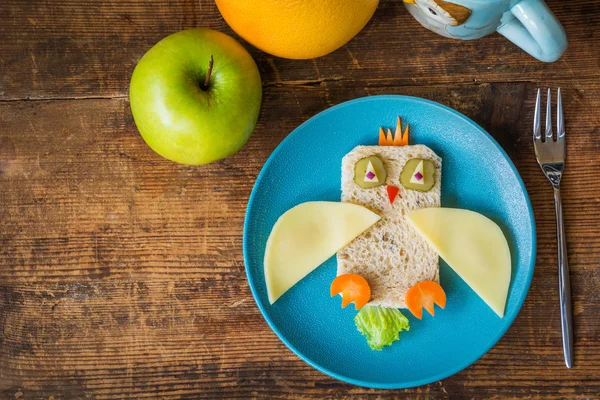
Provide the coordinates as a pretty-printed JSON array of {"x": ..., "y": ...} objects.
[{"x": 392, "y": 192}]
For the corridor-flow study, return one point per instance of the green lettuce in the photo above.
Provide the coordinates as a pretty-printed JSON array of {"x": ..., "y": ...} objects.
[{"x": 380, "y": 325}]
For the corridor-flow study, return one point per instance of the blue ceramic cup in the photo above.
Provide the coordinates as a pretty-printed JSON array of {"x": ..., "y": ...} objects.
[{"x": 527, "y": 23}]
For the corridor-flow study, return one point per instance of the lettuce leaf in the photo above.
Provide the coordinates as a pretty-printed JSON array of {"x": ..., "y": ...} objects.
[{"x": 380, "y": 325}]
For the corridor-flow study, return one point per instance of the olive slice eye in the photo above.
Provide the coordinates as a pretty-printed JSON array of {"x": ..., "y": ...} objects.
[
  {"x": 418, "y": 174},
  {"x": 369, "y": 172}
]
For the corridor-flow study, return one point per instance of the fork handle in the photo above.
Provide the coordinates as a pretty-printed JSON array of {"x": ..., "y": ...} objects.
[{"x": 564, "y": 284}]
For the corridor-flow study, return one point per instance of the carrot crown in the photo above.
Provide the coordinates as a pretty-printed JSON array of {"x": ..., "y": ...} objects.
[{"x": 397, "y": 139}]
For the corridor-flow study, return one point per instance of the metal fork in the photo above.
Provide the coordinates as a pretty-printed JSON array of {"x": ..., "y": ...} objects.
[{"x": 550, "y": 154}]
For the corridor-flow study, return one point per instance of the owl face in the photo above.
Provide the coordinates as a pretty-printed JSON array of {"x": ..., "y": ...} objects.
[
  {"x": 436, "y": 15},
  {"x": 416, "y": 174}
]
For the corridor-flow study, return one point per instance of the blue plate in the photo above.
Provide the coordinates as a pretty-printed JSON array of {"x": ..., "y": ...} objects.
[{"x": 477, "y": 175}]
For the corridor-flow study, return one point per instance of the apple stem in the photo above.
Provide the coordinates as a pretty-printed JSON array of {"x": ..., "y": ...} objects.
[{"x": 204, "y": 86}]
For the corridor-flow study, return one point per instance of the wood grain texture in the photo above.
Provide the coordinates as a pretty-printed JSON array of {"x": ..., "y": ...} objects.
[
  {"x": 72, "y": 48},
  {"x": 121, "y": 274}
]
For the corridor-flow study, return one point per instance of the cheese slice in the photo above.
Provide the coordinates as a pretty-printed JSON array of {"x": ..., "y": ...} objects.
[
  {"x": 473, "y": 246},
  {"x": 418, "y": 179},
  {"x": 370, "y": 170},
  {"x": 306, "y": 236}
]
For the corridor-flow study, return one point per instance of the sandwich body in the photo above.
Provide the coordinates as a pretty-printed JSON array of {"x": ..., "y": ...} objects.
[{"x": 390, "y": 255}]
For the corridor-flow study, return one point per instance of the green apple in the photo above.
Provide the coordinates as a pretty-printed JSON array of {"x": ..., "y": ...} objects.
[{"x": 190, "y": 109}]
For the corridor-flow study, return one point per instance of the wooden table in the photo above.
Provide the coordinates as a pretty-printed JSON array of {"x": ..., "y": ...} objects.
[{"x": 121, "y": 273}]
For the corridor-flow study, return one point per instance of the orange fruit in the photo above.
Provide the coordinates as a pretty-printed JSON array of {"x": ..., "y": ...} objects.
[{"x": 297, "y": 29}]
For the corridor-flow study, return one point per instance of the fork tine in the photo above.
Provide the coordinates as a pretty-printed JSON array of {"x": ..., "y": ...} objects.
[
  {"x": 549, "y": 116},
  {"x": 537, "y": 128},
  {"x": 560, "y": 122}
]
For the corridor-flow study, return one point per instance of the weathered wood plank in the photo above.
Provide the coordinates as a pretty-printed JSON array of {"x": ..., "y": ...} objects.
[
  {"x": 121, "y": 274},
  {"x": 180, "y": 336},
  {"x": 84, "y": 197},
  {"x": 67, "y": 49}
]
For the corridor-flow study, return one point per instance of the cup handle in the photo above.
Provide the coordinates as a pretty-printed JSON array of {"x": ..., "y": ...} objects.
[{"x": 533, "y": 27}]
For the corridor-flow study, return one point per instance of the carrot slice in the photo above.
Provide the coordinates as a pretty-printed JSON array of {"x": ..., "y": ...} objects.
[
  {"x": 398, "y": 133},
  {"x": 390, "y": 138},
  {"x": 424, "y": 295},
  {"x": 405, "y": 137},
  {"x": 396, "y": 139},
  {"x": 354, "y": 288},
  {"x": 382, "y": 139}
]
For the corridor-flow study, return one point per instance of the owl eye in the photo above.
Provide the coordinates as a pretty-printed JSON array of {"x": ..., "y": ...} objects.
[
  {"x": 418, "y": 174},
  {"x": 369, "y": 172}
]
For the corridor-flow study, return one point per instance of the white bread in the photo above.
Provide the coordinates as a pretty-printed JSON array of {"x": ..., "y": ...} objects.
[{"x": 390, "y": 255}]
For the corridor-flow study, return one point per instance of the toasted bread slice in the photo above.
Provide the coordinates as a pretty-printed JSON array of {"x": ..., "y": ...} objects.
[{"x": 390, "y": 255}]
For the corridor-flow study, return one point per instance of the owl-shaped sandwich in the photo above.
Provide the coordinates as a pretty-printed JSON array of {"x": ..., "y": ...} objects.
[{"x": 391, "y": 179}]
